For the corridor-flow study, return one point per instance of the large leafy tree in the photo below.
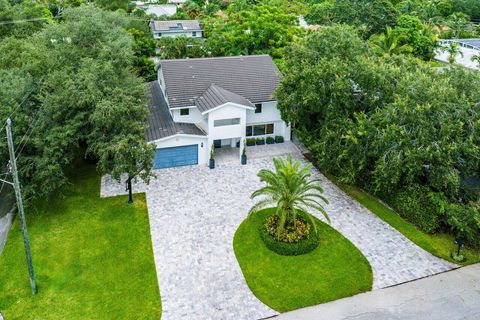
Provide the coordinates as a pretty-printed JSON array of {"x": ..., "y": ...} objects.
[
  {"x": 261, "y": 29},
  {"x": 371, "y": 16},
  {"x": 381, "y": 122},
  {"x": 81, "y": 93},
  {"x": 417, "y": 35}
]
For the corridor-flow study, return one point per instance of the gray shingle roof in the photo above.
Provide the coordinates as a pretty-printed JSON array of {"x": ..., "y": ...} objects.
[
  {"x": 176, "y": 25},
  {"x": 160, "y": 122},
  {"x": 215, "y": 96},
  {"x": 252, "y": 77}
]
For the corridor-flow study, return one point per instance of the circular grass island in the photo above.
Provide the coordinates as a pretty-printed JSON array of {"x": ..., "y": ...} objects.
[{"x": 333, "y": 270}]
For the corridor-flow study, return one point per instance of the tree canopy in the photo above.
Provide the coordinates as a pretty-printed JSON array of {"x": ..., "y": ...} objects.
[{"x": 81, "y": 93}]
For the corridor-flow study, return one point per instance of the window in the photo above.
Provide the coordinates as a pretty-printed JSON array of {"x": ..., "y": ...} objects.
[
  {"x": 184, "y": 112},
  {"x": 259, "y": 129},
  {"x": 226, "y": 122},
  {"x": 258, "y": 108},
  {"x": 194, "y": 33}
]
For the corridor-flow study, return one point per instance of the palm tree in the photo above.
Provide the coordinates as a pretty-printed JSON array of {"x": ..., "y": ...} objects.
[
  {"x": 388, "y": 43},
  {"x": 290, "y": 190},
  {"x": 453, "y": 51},
  {"x": 476, "y": 58}
]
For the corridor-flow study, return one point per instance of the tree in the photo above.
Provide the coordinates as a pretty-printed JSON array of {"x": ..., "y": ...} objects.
[
  {"x": 417, "y": 35},
  {"x": 476, "y": 58},
  {"x": 389, "y": 44},
  {"x": 371, "y": 16},
  {"x": 81, "y": 95},
  {"x": 181, "y": 47},
  {"x": 22, "y": 11},
  {"x": 453, "y": 50},
  {"x": 320, "y": 13},
  {"x": 458, "y": 23},
  {"x": 261, "y": 29},
  {"x": 290, "y": 190}
]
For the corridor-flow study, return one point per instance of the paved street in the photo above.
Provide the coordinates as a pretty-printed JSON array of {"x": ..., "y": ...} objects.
[
  {"x": 194, "y": 213},
  {"x": 453, "y": 295}
]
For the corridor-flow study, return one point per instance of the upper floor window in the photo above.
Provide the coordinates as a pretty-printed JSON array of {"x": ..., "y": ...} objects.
[
  {"x": 226, "y": 122},
  {"x": 194, "y": 33},
  {"x": 258, "y": 108},
  {"x": 184, "y": 112}
]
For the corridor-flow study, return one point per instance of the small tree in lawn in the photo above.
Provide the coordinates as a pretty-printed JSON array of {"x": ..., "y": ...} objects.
[
  {"x": 476, "y": 58},
  {"x": 453, "y": 50},
  {"x": 290, "y": 190}
]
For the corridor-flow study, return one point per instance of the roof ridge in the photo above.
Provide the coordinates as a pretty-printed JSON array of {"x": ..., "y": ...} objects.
[{"x": 218, "y": 58}]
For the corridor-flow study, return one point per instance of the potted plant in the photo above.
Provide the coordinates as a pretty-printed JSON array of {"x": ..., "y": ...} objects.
[
  {"x": 211, "y": 165},
  {"x": 244, "y": 154},
  {"x": 270, "y": 140},
  {"x": 260, "y": 141},
  {"x": 278, "y": 139},
  {"x": 250, "y": 142}
]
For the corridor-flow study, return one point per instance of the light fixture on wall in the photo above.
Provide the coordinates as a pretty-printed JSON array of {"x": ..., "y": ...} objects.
[{"x": 201, "y": 145}]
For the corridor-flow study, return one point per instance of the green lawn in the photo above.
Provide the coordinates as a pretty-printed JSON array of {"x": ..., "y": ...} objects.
[
  {"x": 334, "y": 270},
  {"x": 93, "y": 258},
  {"x": 440, "y": 245}
]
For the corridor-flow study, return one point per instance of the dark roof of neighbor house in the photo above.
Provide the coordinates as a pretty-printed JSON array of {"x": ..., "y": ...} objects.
[
  {"x": 215, "y": 96},
  {"x": 176, "y": 25},
  {"x": 253, "y": 77},
  {"x": 160, "y": 122}
]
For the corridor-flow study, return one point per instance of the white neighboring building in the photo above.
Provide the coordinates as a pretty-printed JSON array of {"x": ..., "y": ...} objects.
[
  {"x": 179, "y": 2},
  {"x": 469, "y": 48},
  {"x": 159, "y": 9},
  {"x": 198, "y": 103},
  {"x": 174, "y": 28}
]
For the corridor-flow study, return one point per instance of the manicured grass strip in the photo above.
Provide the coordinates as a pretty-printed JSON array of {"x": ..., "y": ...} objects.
[
  {"x": 440, "y": 245},
  {"x": 93, "y": 258},
  {"x": 334, "y": 270}
]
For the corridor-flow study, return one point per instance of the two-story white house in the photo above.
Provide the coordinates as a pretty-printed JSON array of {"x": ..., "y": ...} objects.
[
  {"x": 198, "y": 103},
  {"x": 175, "y": 28}
]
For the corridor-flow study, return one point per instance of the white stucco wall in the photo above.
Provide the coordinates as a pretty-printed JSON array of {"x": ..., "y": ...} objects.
[
  {"x": 194, "y": 116},
  {"x": 186, "y": 140},
  {"x": 270, "y": 114},
  {"x": 159, "y": 34}
]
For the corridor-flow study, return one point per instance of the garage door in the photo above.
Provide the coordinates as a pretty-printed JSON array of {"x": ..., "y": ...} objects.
[{"x": 176, "y": 156}]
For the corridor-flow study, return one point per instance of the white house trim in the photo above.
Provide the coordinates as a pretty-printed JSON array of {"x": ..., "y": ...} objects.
[
  {"x": 178, "y": 135},
  {"x": 228, "y": 104}
]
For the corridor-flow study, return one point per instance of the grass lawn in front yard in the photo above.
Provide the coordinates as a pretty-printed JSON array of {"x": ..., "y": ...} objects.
[
  {"x": 440, "y": 245},
  {"x": 335, "y": 269},
  {"x": 93, "y": 258}
]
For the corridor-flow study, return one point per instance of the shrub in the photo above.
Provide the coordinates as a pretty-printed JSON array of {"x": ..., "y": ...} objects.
[
  {"x": 294, "y": 241},
  {"x": 279, "y": 139},
  {"x": 251, "y": 142},
  {"x": 422, "y": 207},
  {"x": 270, "y": 140},
  {"x": 464, "y": 222},
  {"x": 260, "y": 141}
]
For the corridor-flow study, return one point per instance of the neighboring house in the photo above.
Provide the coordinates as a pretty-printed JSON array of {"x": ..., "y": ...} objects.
[
  {"x": 159, "y": 9},
  {"x": 468, "y": 47},
  {"x": 198, "y": 103},
  {"x": 174, "y": 28}
]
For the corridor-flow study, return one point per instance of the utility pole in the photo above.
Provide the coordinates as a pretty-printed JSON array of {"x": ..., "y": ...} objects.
[{"x": 21, "y": 213}]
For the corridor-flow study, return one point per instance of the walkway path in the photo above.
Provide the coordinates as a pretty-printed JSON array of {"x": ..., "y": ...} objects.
[
  {"x": 194, "y": 213},
  {"x": 451, "y": 295}
]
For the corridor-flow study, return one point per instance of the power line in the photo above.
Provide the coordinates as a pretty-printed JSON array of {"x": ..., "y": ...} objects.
[{"x": 18, "y": 106}]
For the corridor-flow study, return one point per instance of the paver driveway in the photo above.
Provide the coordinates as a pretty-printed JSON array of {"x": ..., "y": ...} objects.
[{"x": 194, "y": 213}]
